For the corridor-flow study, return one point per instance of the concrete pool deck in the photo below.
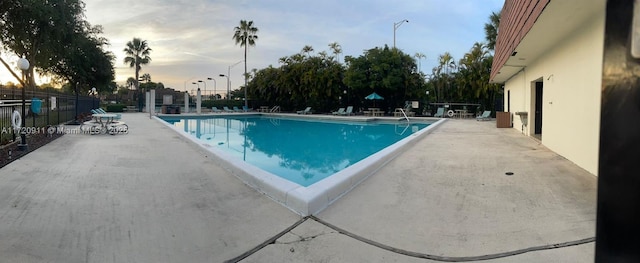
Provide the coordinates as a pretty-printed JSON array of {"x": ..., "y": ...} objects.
[{"x": 153, "y": 196}]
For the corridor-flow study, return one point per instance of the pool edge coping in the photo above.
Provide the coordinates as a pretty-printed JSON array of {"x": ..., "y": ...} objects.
[{"x": 318, "y": 196}]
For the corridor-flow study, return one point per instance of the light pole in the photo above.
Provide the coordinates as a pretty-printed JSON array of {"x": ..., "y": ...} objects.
[
  {"x": 346, "y": 96},
  {"x": 185, "y": 83},
  {"x": 427, "y": 107},
  {"x": 205, "y": 88},
  {"x": 395, "y": 26},
  {"x": 23, "y": 64},
  {"x": 196, "y": 83},
  {"x": 94, "y": 93},
  {"x": 214, "y": 88},
  {"x": 228, "y": 81},
  {"x": 223, "y": 75}
]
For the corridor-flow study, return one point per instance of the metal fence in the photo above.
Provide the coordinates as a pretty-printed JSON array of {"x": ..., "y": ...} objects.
[{"x": 55, "y": 108}]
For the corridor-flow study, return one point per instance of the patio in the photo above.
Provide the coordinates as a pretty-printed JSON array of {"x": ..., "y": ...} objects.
[{"x": 448, "y": 195}]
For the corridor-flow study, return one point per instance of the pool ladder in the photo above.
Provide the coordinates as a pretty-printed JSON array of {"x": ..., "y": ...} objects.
[{"x": 404, "y": 114}]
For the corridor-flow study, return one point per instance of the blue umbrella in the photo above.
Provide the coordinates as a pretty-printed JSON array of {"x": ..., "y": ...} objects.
[{"x": 374, "y": 96}]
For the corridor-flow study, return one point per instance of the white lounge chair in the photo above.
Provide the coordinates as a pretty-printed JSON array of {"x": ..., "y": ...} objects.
[
  {"x": 349, "y": 111},
  {"x": 439, "y": 113},
  {"x": 305, "y": 111},
  {"x": 339, "y": 112},
  {"x": 486, "y": 115}
]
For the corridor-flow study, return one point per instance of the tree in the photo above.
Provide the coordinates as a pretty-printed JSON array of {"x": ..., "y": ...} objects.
[
  {"x": 300, "y": 81},
  {"x": 137, "y": 52},
  {"x": 419, "y": 56},
  {"x": 39, "y": 30},
  {"x": 131, "y": 83},
  {"x": 146, "y": 77},
  {"x": 245, "y": 35},
  {"x": 389, "y": 72},
  {"x": 307, "y": 50},
  {"x": 336, "y": 49},
  {"x": 491, "y": 30},
  {"x": 88, "y": 66}
]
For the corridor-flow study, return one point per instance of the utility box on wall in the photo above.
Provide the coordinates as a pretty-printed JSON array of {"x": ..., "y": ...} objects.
[{"x": 503, "y": 119}]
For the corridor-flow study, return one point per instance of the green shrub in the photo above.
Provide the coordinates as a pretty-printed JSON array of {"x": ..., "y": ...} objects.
[{"x": 115, "y": 107}]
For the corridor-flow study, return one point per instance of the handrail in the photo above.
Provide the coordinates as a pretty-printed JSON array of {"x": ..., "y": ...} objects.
[{"x": 405, "y": 115}]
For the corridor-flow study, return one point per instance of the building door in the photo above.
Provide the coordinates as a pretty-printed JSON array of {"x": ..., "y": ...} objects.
[
  {"x": 508, "y": 100},
  {"x": 538, "y": 111}
]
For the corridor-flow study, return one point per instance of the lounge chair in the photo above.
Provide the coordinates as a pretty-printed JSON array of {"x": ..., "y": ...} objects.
[
  {"x": 349, "y": 111},
  {"x": 226, "y": 109},
  {"x": 216, "y": 110},
  {"x": 246, "y": 109},
  {"x": 439, "y": 113},
  {"x": 339, "y": 112},
  {"x": 305, "y": 111},
  {"x": 236, "y": 109},
  {"x": 486, "y": 115}
]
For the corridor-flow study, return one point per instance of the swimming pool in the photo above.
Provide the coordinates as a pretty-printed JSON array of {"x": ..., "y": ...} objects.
[{"x": 299, "y": 161}]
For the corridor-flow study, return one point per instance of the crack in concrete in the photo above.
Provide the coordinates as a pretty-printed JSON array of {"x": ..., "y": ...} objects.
[{"x": 303, "y": 238}]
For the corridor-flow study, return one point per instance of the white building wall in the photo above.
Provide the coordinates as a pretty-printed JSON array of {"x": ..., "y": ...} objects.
[{"x": 571, "y": 73}]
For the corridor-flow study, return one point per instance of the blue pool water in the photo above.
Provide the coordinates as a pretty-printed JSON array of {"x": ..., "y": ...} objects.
[{"x": 301, "y": 151}]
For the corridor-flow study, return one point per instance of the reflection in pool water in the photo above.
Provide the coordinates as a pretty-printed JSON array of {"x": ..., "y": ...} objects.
[{"x": 301, "y": 151}]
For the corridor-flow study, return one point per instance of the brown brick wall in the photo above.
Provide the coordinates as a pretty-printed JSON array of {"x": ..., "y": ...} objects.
[{"x": 516, "y": 19}]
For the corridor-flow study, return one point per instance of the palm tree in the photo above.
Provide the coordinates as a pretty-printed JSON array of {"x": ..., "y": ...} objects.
[
  {"x": 131, "y": 82},
  {"x": 137, "y": 52},
  {"x": 491, "y": 30},
  {"x": 245, "y": 35},
  {"x": 146, "y": 77},
  {"x": 336, "y": 49},
  {"x": 420, "y": 56},
  {"x": 307, "y": 49}
]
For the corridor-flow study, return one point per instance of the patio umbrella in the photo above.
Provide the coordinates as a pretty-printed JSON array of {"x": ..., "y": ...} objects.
[{"x": 374, "y": 96}]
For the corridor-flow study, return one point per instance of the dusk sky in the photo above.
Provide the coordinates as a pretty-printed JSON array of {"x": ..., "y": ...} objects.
[{"x": 192, "y": 39}]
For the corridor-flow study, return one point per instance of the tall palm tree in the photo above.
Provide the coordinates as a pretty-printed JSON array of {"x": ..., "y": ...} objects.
[
  {"x": 131, "y": 82},
  {"x": 420, "y": 56},
  {"x": 245, "y": 35},
  {"x": 336, "y": 49},
  {"x": 137, "y": 52},
  {"x": 491, "y": 30},
  {"x": 146, "y": 77},
  {"x": 307, "y": 49}
]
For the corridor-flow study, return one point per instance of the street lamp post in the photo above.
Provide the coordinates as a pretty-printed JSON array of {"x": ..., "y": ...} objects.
[
  {"x": 94, "y": 93},
  {"x": 427, "y": 107},
  {"x": 214, "y": 88},
  {"x": 23, "y": 64},
  {"x": 228, "y": 81},
  {"x": 205, "y": 88},
  {"x": 196, "y": 83},
  {"x": 346, "y": 96},
  {"x": 395, "y": 26},
  {"x": 223, "y": 75}
]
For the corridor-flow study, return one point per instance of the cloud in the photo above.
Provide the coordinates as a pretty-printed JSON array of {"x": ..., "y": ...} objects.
[{"x": 193, "y": 38}]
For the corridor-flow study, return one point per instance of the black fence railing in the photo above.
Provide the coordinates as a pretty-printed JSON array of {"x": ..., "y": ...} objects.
[{"x": 55, "y": 108}]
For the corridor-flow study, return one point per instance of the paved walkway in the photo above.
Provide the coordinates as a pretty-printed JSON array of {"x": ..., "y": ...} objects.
[{"x": 152, "y": 196}]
